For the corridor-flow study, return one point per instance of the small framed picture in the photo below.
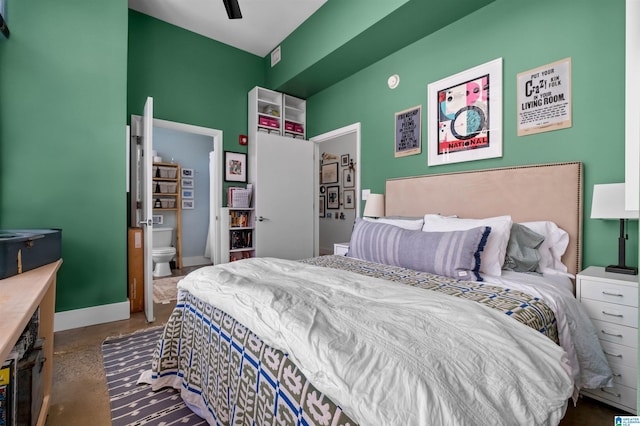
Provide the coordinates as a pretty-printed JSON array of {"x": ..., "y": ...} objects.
[
  {"x": 186, "y": 183},
  {"x": 188, "y": 204},
  {"x": 333, "y": 197},
  {"x": 344, "y": 160},
  {"x": 187, "y": 193},
  {"x": 187, "y": 173},
  {"x": 330, "y": 173},
  {"x": 349, "y": 197},
  {"x": 158, "y": 219},
  {"x": 348, "y": 180},
  {"x": 235, "y": 166},
  {"x": 321, "y": 203}
]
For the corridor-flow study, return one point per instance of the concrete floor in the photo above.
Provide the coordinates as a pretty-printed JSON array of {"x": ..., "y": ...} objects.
[{"x": 79, "y": 394}]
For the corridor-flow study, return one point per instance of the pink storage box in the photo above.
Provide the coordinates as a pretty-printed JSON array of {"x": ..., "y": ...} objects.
[
  {"x": 288, "y": 125},
  {"x": 264, "y": 121},
  {"x": 274, "y": 123},
  {"x": 298, "y": 128}
]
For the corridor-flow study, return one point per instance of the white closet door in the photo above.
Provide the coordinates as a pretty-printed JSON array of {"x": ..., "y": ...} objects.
[{"x": 284, "y": 196}]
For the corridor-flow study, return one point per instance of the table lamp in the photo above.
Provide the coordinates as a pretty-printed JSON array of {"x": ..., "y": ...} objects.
[
  {"x": 374, "y": 206},
  {"x": 608, "y": 203}
]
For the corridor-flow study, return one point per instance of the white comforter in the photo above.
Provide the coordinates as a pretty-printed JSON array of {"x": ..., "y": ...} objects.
[
  {"x": 576, "y": 332},
  {"x": 393, "y": 354}
]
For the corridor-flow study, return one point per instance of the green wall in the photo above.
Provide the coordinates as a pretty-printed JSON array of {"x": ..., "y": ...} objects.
[
  {"x": 526, "y": 35},
  {"x": 192, "y": 79},
  {"x": 62, "y": 138}
]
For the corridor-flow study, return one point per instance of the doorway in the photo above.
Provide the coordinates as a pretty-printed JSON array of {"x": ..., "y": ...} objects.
[
  {"x": 334, "y": 222},
  {"x": 141, "y": 192},
  {"x": 172, "y": 138}
]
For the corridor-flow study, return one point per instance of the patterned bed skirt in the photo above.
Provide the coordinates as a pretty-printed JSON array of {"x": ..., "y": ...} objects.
[{"x": 228, "y": 375}]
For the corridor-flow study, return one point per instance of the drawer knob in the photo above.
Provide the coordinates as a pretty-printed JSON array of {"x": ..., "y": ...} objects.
[
  {"x": 612, "y": 294},
  {"x": 614, "y": 355},
  {"x": 612, "y": 315},
  {"x": 617, "y": 395},
  {"x": 611, "y": 334}
]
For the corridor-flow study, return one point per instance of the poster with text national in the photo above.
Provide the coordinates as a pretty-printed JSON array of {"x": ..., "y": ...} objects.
[
  {"x": 465, "y": 115},
  {"x": 544, "y": 98}
]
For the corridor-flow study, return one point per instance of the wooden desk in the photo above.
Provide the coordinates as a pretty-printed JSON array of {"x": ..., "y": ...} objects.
[{"x": 20, "y": 296}]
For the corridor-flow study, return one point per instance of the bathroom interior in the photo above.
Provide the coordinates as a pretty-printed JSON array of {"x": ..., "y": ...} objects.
[{"x": 191, "y": 152}]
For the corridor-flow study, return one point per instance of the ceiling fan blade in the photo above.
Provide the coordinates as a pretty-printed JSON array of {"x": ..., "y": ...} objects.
[{"x": 233, "y": 9}]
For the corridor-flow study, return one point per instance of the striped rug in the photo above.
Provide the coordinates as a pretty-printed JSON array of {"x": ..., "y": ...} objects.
[{"x": 124, "y": 358}]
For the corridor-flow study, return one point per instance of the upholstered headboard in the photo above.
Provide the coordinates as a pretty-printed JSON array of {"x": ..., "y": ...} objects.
[{"x": 527, "y": 193}]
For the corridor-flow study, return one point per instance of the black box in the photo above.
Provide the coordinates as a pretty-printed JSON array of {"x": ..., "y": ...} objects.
[{"x": 24, "y": 249}]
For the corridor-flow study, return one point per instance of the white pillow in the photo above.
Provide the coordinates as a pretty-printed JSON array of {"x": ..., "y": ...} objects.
[
  {"x": 556, "y": 241},
  {"x": 404, "y": 223},
  {"x": 492, "y": 257}
]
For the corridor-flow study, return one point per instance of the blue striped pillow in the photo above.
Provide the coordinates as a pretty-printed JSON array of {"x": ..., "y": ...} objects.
[{"x": 453, "y": 254}]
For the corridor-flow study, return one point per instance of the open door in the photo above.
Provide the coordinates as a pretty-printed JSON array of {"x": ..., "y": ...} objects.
[{"x": 146, "y": 220}]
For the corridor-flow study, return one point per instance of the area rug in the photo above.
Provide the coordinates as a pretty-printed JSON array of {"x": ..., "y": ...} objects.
[
  {"x": 124, "y": 358},
  {"x": 165, "y": 290}
]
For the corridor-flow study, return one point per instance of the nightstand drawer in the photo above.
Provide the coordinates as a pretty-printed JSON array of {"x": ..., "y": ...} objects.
[
  {"x": 619, "y": 354},
  {"x": 625, "y": 375},
  {"x": 609, "y": 292},
  {"x": 616, "y": 333},
  {"x": 610, "y": 312},
  {"x": 618, "y": 394}
]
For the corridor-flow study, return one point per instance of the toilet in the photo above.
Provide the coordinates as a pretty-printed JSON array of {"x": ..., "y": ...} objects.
[{"x": 162, "y": 252}]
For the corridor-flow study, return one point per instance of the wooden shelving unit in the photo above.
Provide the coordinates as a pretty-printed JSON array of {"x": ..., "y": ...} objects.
[
  {"x": 167, "y": 198},
  {"x": 20, "y": 296}
]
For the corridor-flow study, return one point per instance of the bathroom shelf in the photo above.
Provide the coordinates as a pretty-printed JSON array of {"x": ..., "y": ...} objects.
[{"x": 169, "y": 174}]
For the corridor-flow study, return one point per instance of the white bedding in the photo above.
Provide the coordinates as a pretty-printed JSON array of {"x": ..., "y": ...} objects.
[
  {"x": 394, "y": 354},
  {"x": 577, "y": 335}
]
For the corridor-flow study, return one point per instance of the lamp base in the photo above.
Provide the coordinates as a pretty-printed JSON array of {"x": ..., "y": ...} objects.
[{"x": 621, "y": 269}]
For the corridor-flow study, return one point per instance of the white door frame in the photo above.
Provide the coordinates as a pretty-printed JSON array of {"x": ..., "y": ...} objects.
[
  {"x": 215, "y": 180},
  {"x": 317, "y": 140}
]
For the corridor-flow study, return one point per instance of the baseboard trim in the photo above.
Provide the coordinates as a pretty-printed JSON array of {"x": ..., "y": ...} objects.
[
  {"x": 195, "y": 261},
  {"x": 84, "y": 317}
]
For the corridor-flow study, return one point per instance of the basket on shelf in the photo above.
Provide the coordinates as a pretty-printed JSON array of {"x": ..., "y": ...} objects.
[{"x": 241, "y": 198}]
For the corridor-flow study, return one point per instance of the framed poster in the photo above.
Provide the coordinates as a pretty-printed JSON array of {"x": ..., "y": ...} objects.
[
  {"x": 329, "y": 173},
  {"x": 465, "y": 115},
  {"x": 188, "y": 204},
  {"x": 235, "y": 167},
  {"x": 187, "y": 193},
  {"x": 344, "y": 160},
  {"x": 333, "y": 197},
  {"x": 544, "y": 98},
  {"x": 408, "y": 132},
  {"x": 186, "y": 183},
  {"x": 349, "y": 197},
  {"x": 321, "y": 204}
]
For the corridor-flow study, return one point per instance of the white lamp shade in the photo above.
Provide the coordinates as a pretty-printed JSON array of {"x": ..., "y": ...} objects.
[
  {"x": 374, "y": 206},
  {"x": 608, "y": 202}
]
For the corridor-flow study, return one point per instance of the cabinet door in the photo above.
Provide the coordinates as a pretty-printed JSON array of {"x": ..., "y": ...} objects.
[{"x": 284, "y": 196}]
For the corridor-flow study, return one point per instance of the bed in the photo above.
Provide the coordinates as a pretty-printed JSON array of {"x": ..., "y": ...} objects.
[{"x": 413, "y": 326}]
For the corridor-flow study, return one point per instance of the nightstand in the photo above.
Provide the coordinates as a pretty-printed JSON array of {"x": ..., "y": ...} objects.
[
  {"x": 340, "y": 249},
  {"x": 611, "y": 300}
]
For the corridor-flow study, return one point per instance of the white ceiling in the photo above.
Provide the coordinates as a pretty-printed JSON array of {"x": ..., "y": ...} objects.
[{"x": 264, "y": 23}]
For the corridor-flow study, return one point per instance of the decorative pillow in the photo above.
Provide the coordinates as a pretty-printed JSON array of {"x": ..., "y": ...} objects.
[
  {"x": 522, "y": 249},
  {"x": 556, "y": 241},
  {"x": 453, "y": 254},
  {"x": 496, "y": 249},
  {"x": 413, "y": 224}
]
